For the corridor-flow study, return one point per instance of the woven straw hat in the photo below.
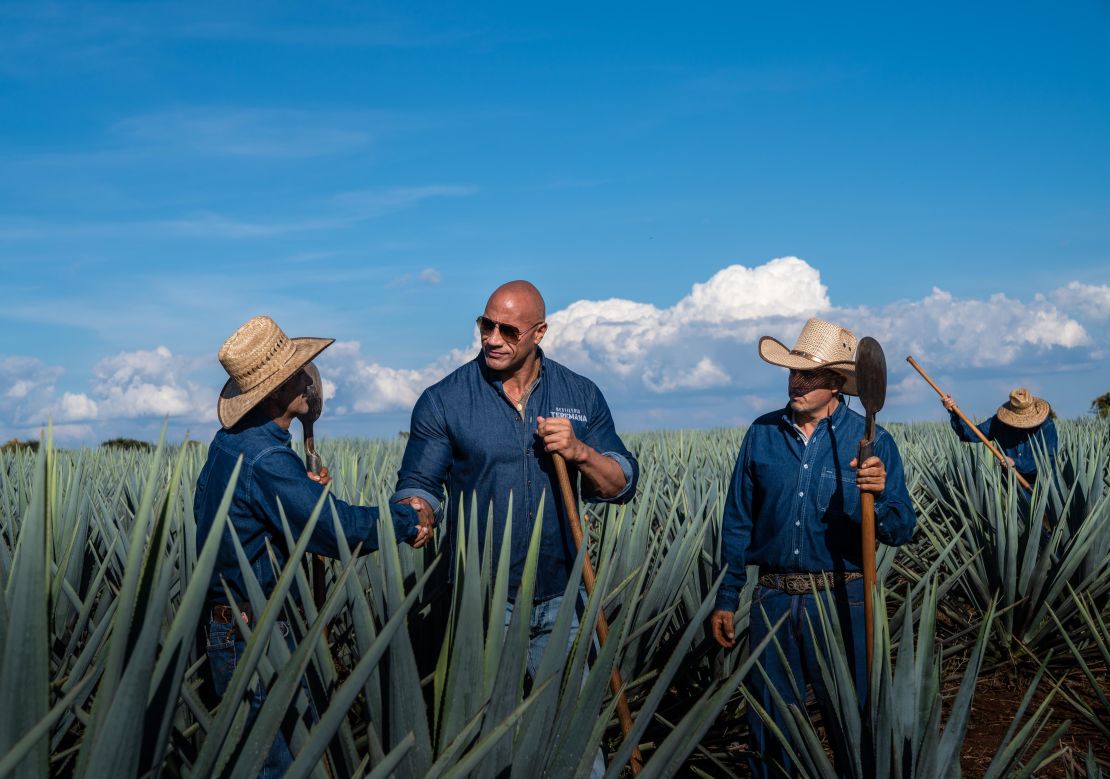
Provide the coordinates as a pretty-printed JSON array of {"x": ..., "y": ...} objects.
[
  {"x": 821, "y": 345},
  {"x": 1023, "y": 409},
  {"x": 259, "y": 357}
]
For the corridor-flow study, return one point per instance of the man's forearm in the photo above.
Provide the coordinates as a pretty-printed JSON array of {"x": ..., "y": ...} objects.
[{"x": 603, "y": 475}]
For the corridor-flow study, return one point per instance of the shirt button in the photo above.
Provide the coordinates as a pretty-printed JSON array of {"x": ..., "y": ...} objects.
[
  {"x": 795, "y": 551},
  {"x": 806, "y": 466},
  {"x": 801, "y": 494},
  {"x": 798, "y": 522}
]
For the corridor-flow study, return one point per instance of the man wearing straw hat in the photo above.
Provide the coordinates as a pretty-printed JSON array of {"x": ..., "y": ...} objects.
[
  {"x": 793, "y": 510},
  {"x": 266, "y": 390},
  {"x": 1021, "y": 426}
]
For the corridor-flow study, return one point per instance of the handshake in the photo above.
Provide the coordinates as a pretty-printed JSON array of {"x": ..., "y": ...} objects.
[{"x": 426, "y": 521}]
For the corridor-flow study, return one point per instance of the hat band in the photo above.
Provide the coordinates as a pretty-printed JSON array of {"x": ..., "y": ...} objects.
[{"x": 808, "y": 356}]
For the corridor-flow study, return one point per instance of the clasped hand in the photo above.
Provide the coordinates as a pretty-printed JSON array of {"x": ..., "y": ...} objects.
[
  {"x": 871, "y": 477},
  {"x": 426, "y": 520},
  {"x": 558, "y": 437}
]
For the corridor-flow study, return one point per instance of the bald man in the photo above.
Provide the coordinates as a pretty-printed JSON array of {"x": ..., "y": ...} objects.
[{"x": 489, "y": 429}]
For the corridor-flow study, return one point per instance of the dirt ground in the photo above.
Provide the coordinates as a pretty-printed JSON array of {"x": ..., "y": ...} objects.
[{"x": 998, "y": 697}]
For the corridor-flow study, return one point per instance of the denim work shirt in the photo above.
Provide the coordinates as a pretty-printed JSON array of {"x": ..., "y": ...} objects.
[
  {"x": 1016, "y": 443},
  {"x": 467, "y": 434},
  {"x": 272, "y": 470},
  {"x": 794, "y": 507}
]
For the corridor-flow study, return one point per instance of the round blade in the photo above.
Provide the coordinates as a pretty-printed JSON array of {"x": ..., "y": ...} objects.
[
  {"x": 315, "y": 393},
  {"x": 871, "y": 374}
]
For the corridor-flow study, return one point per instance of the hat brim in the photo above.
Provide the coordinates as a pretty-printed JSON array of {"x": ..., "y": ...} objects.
[
  {"x": 774, "y": 352},
  {"x": 1032, "y": 418},
  {"x": 233, "y": 405}
]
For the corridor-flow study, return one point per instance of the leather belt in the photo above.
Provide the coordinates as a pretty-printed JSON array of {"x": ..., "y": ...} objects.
[
  {"x": 802, "y": 583},
  {"x": 225, "y": 615}
]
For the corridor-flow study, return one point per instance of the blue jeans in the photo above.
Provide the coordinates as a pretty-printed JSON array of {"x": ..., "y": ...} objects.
[
  {"x": 798, "y": 647},
  {"x": 225, "y": 647},
  {"x": 544, "y": 613}
]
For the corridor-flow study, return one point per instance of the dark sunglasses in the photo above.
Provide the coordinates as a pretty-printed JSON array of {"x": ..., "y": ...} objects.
[{"x": 508, "y": 332}]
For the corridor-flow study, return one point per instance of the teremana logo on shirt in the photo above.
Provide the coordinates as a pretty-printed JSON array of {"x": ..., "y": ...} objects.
[{"x": 569, "y": 413}]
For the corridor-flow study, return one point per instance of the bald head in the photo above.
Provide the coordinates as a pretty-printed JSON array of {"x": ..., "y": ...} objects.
[{"x": 521, "y": 299}]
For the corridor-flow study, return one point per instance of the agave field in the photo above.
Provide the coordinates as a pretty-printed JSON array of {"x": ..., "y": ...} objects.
[{"x": 992, "y": 643}]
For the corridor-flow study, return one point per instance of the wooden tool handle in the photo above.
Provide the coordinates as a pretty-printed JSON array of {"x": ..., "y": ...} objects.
[
  {"x": 990, "y": 445},
  {"x": 570, "y": 504},
  {"x": 867, "y": 543}
]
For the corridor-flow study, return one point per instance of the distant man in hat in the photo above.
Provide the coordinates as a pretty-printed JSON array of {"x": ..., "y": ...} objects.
[
  {"x": 1021, "y": 426},
  {"x": 489, "y": 430},
  {"x": 266, "y": 390},
  {"x": 793, "y": 509}
]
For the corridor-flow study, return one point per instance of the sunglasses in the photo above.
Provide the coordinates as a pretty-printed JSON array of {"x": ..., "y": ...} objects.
[{"x": 510, "y": 333}]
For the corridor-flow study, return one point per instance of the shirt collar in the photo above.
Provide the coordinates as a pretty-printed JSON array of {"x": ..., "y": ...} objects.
[
  {"x": 487, "y": 374},
  {"x": 257, "y": 420},
  {"x": 833, "y": 419}
]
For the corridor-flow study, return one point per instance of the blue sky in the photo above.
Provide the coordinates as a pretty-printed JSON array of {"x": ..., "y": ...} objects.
[{"x": 371, "y": 173}]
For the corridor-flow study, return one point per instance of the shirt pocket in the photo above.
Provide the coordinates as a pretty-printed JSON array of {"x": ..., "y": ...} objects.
[{"x": 837, "y": 493}]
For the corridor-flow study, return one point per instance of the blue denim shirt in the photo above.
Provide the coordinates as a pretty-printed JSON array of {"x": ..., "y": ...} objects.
[
  {"x": 793, "y": 507},
  {"x": 271, "y": 469},
  {"x": 467, "y": 434},
  {"x": 1016, "y": 443}
]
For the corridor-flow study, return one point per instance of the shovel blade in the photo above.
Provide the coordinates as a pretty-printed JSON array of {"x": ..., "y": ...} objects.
[
  {"x": 871, "y": 374},
  {"x": 315, "y": 394}
]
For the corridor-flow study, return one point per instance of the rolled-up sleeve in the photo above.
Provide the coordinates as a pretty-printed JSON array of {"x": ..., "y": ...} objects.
[
  {"x": 428, "y": 455},
  {"x": 736, "y": 530},
  {"x": 895, "y": 519},
  {"x": 601, "y": 435},
  {"x": 279, "y": 475}
]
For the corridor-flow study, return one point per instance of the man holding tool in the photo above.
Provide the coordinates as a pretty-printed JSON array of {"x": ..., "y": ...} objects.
[
  {"x": 793, "y": 509},
  {"x": 268, "y": 387},
  {"x": 492, "y": 428},
  {"x": 1021, "y": 426}
]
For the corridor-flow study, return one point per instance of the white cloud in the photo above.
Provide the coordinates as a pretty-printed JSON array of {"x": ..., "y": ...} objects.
[
  {"x": 362, "y": 386},
  {"x": 1088, "y": 300},
  {"x": 75, "y": 407},
  {"x": 150, "y": 383},
  {"x": 981, "y": 333},
  {"x": 704, "y": 375},
  {"x": 30, "y": 389},
  {"x": 785, "y": 286}
]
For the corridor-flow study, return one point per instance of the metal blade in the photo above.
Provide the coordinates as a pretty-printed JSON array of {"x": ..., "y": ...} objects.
[
  {"x": 315, "y": 394},
  {"x": 871, "y": 374}
]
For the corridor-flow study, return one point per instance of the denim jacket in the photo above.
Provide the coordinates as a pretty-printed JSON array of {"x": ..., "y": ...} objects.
[
  {"x": 1016, "y": 443},
  {"x": 793, "y": 507},
  {"x": 467, "y": 434},
  {"x": 272, "y": 470}
]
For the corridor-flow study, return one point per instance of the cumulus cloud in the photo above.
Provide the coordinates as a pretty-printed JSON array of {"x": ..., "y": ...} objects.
[
  {"x": 1091, "y": 301},
  {"x": 363, "y": 386},
  {"x": 149, "y": 383},
  {"x": 27, "y": 389},
  {"x": 75, "y": 407}
]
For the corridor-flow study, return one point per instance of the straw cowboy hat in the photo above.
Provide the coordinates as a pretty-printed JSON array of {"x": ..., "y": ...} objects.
[
  {"x": 259, "y": 357},
  {"x": 821, "y": 345},
  {"x": 1023, "y": 409}
]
